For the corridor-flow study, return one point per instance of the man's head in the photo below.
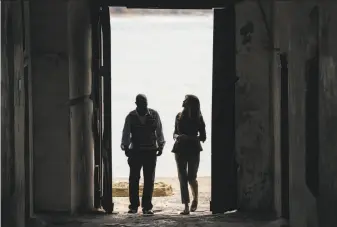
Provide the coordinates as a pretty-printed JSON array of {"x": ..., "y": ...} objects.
[{"x": 141, "y": 102}]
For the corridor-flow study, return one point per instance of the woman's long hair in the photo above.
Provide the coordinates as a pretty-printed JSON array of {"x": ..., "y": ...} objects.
[{"x": 192, "y": 107}]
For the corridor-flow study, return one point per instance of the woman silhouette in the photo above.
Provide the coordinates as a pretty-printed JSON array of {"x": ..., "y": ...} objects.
[{"x": 188, "y": 132}]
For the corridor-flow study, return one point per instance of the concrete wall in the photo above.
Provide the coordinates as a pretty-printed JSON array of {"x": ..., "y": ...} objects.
[
  {"x": 281, "y": 37},
  {"x": 253, "y": 109},
  {"x": 306, "y": 207},
  {"x": 327, "y": 200},
  {"x": 303, "y": 202},
  {"x": 79, "y": 40},
  {"x": 50, "y": 83},
  {"x": 291, "y": 36},
  {"x": 278, "y": 30},
  {"x": 12, "y": 116},
  {"x": 295, "y": 33},
  {"x": 63, "y": 159},
  {"x": 60, "y": 46}
]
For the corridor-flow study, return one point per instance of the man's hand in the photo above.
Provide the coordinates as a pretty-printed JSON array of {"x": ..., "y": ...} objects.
[
  {"x": 126, "y": 150},
  {"x": 201, "y": 139},
  {"x": 160, "y": 151}
]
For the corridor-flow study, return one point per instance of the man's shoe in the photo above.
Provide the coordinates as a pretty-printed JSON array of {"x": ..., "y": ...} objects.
[
  {"x": 148, "y": 212},
  {"x": 185, "y": 212},
  {"x": 132, "y": 211}
]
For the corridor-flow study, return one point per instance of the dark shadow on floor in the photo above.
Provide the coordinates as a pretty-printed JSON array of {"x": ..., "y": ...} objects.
[{"x": 243, "y": 219}]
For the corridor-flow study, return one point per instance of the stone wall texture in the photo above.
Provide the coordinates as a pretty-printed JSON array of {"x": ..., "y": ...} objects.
[
  {"x": 12, "y": 116},
  {"x": 253, "y": 125}
]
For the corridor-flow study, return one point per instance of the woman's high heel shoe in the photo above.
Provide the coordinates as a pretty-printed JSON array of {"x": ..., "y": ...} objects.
[{"x": 194, "y": 205}]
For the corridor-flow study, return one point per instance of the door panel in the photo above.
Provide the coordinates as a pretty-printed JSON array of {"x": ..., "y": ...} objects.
[
  {"x": 95, "y": 95},
  {"x": 284, "y": 136},
  {"x": 312, "y": 107},
  {"x": 28, "y": 111},
  {"x": 106, "y": 104},
  {"x": 101, "y": 95},
  {"x": 224, "y": 167}
]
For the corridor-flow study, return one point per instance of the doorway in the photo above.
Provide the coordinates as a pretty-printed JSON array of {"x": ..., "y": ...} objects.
[
  {"x": 165, "y": 54},
  {"x": 224, "y": 169}
]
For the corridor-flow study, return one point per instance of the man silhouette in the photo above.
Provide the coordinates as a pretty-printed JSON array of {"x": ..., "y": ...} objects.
[{"x": 142, "y": 141}]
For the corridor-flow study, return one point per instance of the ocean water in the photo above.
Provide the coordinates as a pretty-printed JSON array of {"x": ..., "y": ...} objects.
[{"x": 165, "y": 58}]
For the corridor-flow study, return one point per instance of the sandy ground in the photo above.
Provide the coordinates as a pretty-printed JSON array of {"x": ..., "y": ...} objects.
[{"x": 170, "y": 204}]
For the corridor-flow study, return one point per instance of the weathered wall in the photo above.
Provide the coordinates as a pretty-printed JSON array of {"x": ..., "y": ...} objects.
[
  {"x": 278, "y": 30},
  {"x": 300, "y": 28},
  {"x": 79, "y": 41},
  {"x": 281, "y": 43},
  {"x": 63, "y": 160},
  {"x": 327, "y": 202},
  {"x": 12, "y": 116},
  {"x": 312, "y": 198},
  {"x": 50, "y": 85},
  {"x": 276, "y": 97},
  {"x": 253, "y": 127},
  {"x": 302, "y": 43}
]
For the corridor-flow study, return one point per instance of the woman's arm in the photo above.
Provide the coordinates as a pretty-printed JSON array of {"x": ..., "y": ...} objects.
[
  {"x": 202, "y": 130},
  {"x": 176, "y": 131}
]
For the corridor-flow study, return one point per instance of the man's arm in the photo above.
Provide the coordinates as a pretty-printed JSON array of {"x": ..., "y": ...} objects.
[
  {"x": 126, "y": 133},
  {"x": 159, "y": 133}
]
